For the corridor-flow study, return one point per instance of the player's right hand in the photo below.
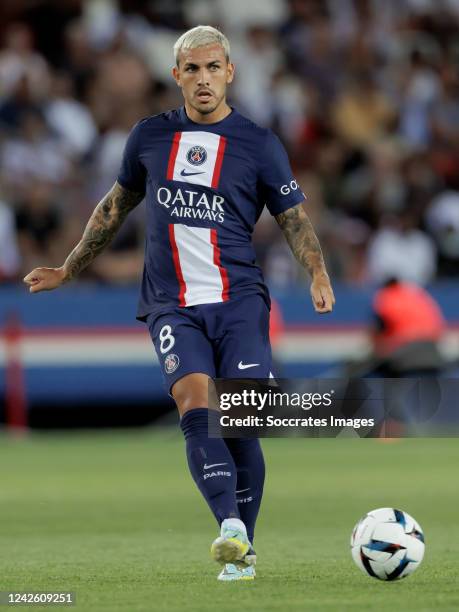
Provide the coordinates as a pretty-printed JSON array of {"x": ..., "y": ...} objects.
[{"x": 44, "y": 279}]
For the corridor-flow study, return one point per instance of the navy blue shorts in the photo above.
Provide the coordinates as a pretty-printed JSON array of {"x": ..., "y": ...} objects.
[{"x": 223, "y": 340}]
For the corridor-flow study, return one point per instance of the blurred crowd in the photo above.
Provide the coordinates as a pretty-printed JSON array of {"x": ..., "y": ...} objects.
[{"x": 363, "y": 93}]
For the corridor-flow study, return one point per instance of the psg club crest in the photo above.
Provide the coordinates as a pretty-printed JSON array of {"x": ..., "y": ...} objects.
[
  {"x": 197, "y": 155},
  {"x": 171, "y": 363}
]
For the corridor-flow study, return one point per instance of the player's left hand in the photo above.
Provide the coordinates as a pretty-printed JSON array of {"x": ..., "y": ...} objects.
[{"x": 322, "y": 295}]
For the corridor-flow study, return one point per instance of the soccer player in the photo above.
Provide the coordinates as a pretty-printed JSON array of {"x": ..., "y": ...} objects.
[{"x": 206, "y": 173}]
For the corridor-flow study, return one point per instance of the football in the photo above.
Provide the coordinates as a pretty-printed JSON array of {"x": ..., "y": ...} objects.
[{"x": 387, "y": 544}]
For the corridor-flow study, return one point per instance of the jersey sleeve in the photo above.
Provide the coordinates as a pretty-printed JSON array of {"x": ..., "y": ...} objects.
[
  {"x": 132, "y": 174},
  {"x": 276, "y": 183}
]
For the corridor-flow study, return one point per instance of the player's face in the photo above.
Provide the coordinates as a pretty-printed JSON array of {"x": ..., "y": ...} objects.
[{"x": 203, "y": 75}]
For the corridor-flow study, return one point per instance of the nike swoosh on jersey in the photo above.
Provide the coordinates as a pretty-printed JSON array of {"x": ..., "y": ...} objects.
[
  {"x": 207, "y": 467},
  {"x": 185, "y": 173},
  {"x": 244, "y": 366},
  {"x": 243, "y": 490}
]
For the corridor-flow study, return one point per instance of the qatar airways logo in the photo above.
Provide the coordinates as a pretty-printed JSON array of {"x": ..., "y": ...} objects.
[{"x": 188, "y": 204}]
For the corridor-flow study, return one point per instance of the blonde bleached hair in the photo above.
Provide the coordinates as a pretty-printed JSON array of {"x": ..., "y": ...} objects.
[{"x": 201, "y": 36}]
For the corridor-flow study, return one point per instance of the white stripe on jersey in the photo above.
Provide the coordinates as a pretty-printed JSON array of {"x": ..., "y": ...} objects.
[
  {"x": 201, "y": 174},
  {"x": 200, "y": 273}
]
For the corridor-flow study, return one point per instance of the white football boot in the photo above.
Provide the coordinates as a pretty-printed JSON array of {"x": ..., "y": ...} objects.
[{"x": 230, "y": 572}]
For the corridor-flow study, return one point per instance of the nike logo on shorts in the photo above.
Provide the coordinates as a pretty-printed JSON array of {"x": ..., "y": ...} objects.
[
  {"x": 207, "y": 467},
  {"x": 244, "y": 366},
  {"x": 185, "y": 173}
]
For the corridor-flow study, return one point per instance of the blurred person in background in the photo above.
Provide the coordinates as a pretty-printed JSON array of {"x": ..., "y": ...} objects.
[
  {"x": 362, "y": 114},
  {"x": 445, "y": 114},
  {"x": 442, "y": 219},
  {"x": 19, "y": 61},
  {"x": 34, "y": 151},
  {"x": 254, "y": 80},
  {"x": 68, "y": 118},
  {"x": 408, "y": 326},
  {"x": 399, "y": 248},
  {"x": 79, "y": 59},
  {"x": 40, "y": 224},
  {"x": 406, "y": 331},
  {"x": 420, "y": 90}
]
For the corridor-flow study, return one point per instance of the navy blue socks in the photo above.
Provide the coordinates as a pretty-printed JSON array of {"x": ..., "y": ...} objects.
[
  {"x": 210, "y": 463},
  {"x": 250, "y": 465},
  {"x": 229, "y": 473}
]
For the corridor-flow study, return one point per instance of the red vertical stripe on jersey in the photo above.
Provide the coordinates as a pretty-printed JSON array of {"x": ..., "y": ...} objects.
[
  {"x": 178, "y": 269},
  {"x": 173, "y": 156},
  {"x": 223, "y": 272},
  {"x": 218, "y": 162}
]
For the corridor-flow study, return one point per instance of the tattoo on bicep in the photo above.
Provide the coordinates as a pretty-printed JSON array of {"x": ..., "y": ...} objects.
[
  {"x": 301, "y": 237},
  {"x": 102, "y": 226}
]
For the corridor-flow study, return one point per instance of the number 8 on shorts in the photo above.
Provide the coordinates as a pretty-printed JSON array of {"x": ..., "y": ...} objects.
[{"x": 166, "y": 339}]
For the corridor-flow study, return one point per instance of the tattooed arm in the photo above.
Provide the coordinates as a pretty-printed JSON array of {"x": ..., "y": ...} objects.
[
  {"x": 102, "y": 226},
  {"x": 304, "y": 244}
]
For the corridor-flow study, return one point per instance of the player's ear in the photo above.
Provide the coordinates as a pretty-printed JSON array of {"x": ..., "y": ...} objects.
[
  {"x": 230, "y": 70},
  {"x": 176, "y": 75}
]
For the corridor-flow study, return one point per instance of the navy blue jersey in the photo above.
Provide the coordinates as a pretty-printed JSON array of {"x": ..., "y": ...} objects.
[{"x": 205, "y": 188}]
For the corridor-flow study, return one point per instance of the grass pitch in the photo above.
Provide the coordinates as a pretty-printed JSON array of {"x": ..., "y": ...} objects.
[{"x": 116, "y": 518}]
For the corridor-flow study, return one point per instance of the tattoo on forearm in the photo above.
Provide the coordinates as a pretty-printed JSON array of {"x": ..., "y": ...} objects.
[
  {"x": 102, "y": 226},
  {"x": 302, "y": 239}
]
